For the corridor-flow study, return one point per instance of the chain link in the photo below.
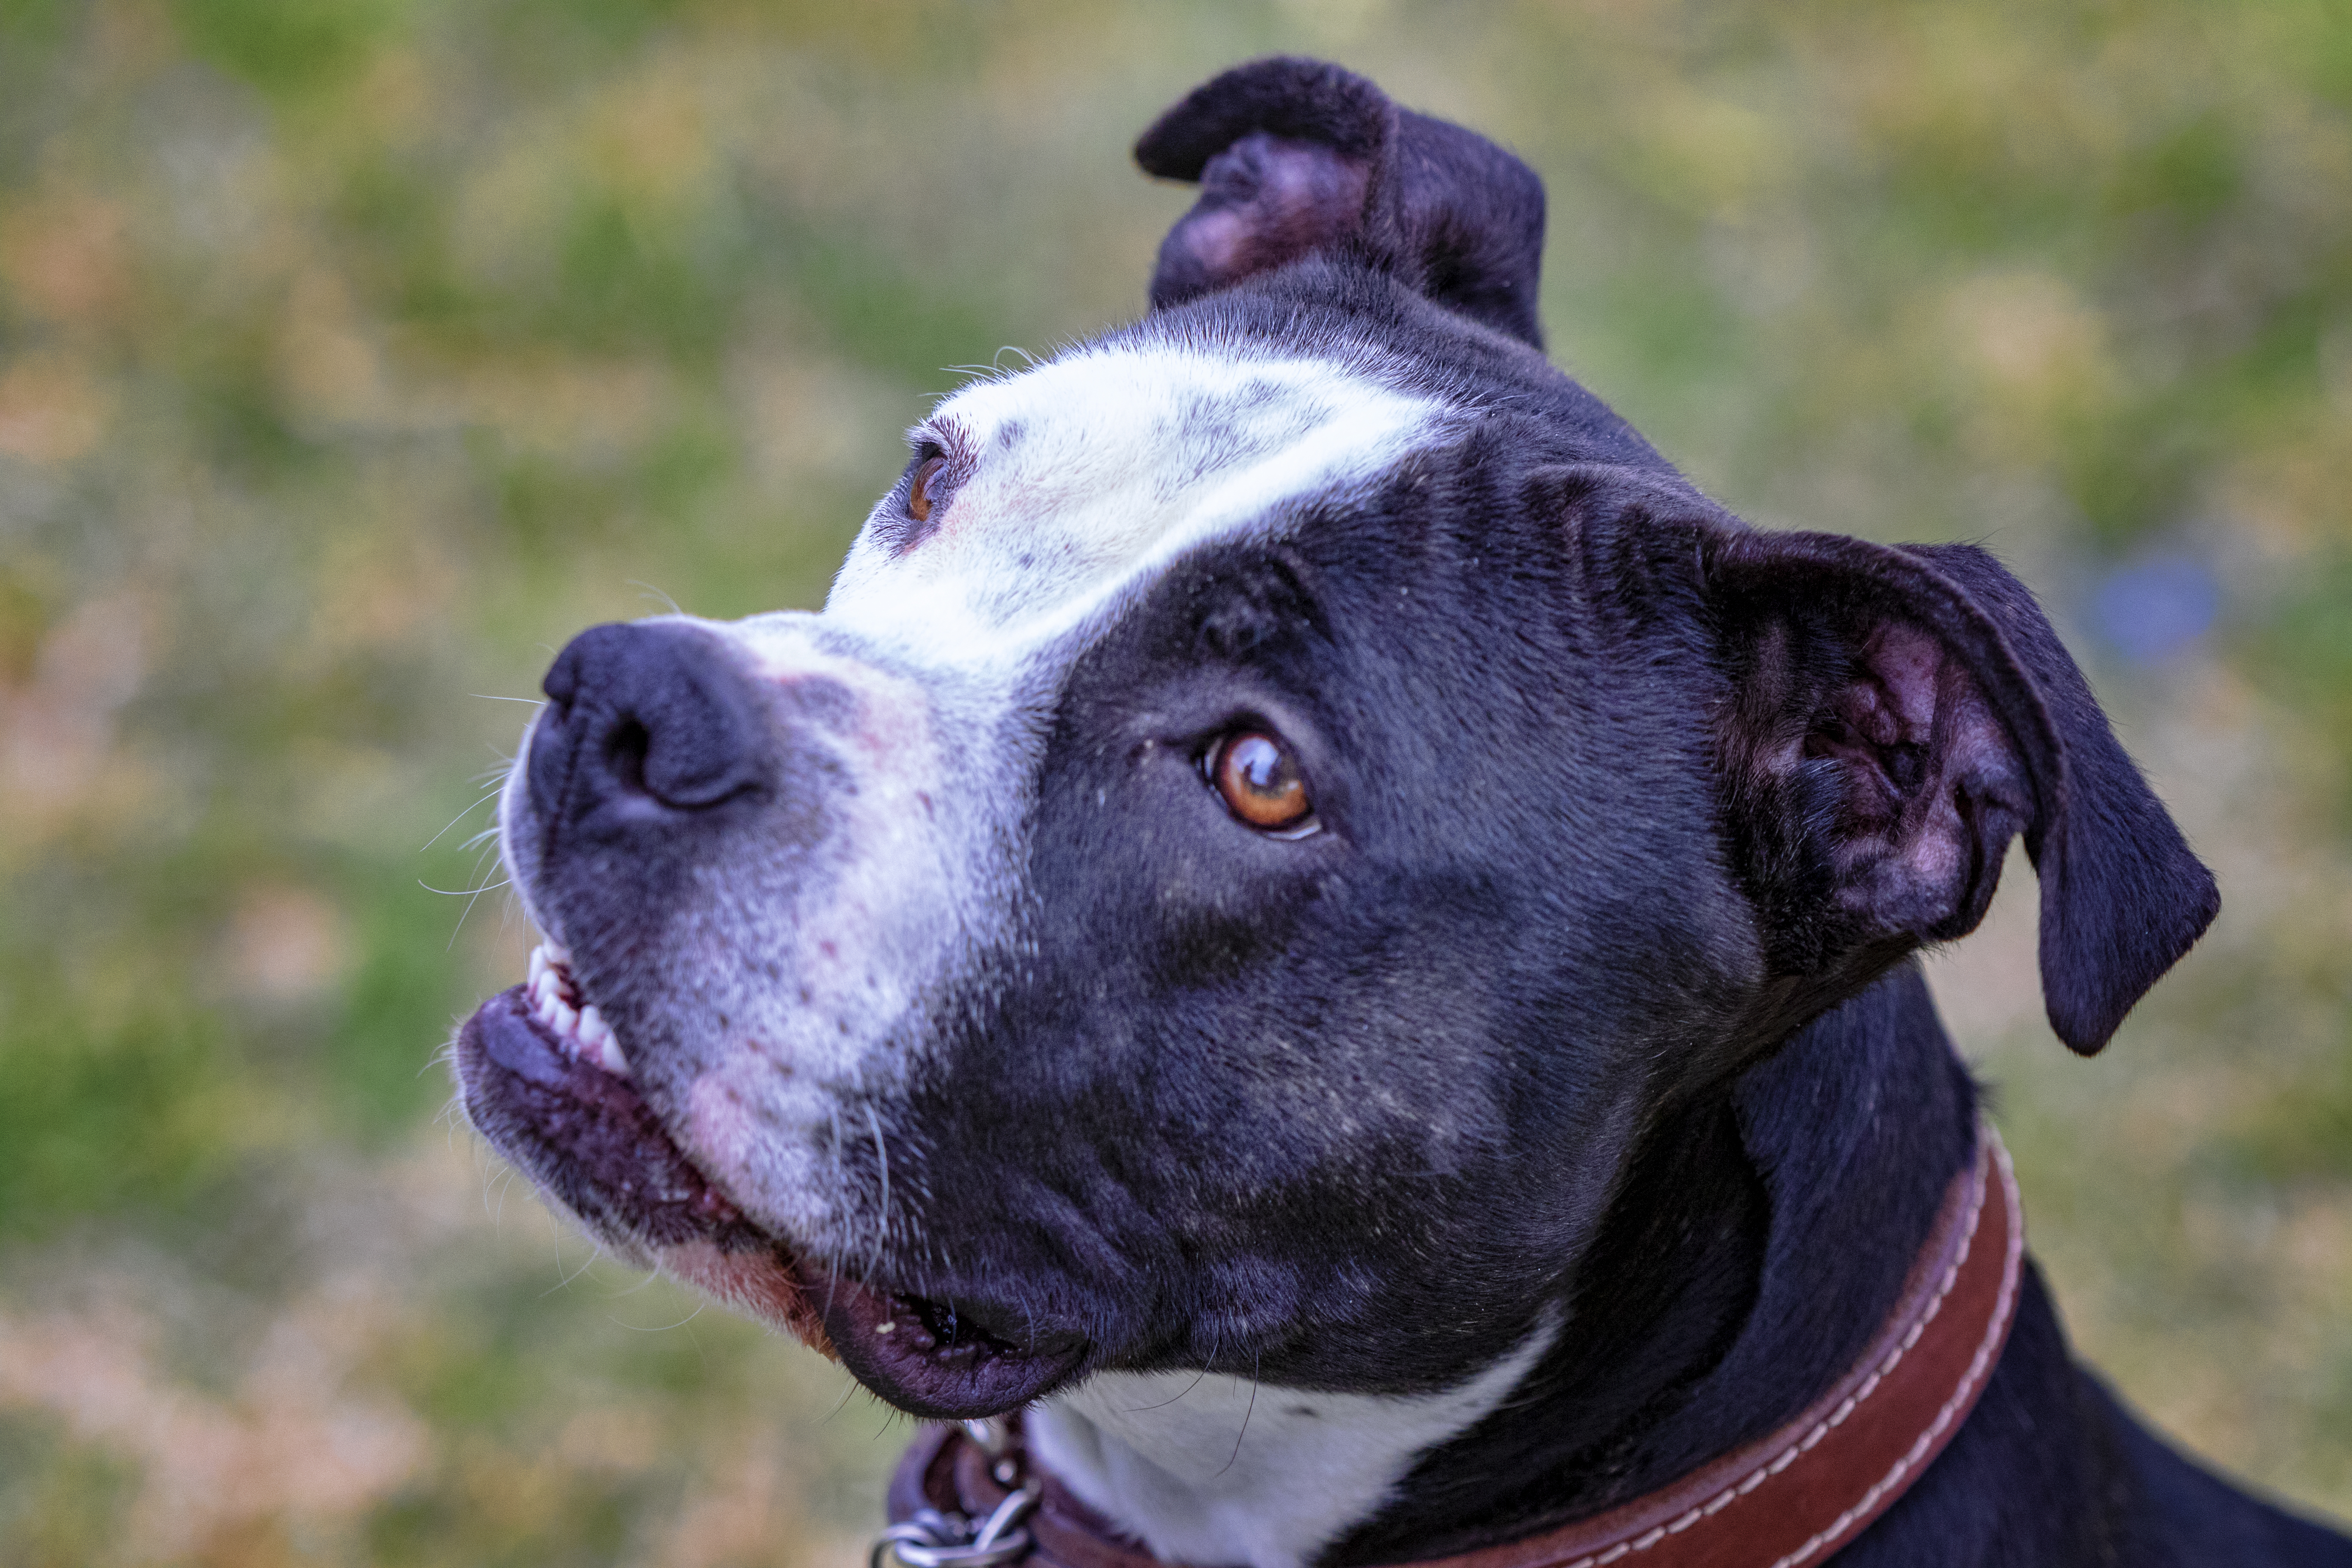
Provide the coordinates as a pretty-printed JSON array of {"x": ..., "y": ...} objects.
[{"x": 935, "y": 1540}]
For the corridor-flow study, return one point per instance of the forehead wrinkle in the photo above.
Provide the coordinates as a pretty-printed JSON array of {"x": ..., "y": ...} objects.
[{"x": 1095, "y": 471}]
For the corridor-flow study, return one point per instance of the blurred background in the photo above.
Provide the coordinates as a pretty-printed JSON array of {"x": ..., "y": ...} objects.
[{"x": 353, "y": 353}]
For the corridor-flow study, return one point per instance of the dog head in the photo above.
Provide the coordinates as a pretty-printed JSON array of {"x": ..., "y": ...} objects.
[{"x": 1279, "y": 797}]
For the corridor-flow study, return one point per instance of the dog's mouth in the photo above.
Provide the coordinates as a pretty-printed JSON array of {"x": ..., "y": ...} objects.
[{"x": 547, "y": 1081}]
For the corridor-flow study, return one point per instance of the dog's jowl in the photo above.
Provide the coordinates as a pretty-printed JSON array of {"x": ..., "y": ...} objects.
[{"x": 1314, "y": 923}]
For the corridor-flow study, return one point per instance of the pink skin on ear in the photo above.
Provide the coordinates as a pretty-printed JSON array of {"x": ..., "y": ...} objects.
[
  {"x": 1266, "y": 200},
  {"x": 1919, "y": 743}
]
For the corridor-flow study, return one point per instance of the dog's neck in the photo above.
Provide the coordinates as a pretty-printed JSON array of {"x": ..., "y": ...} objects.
[{"x": 1759, "y": 1239}]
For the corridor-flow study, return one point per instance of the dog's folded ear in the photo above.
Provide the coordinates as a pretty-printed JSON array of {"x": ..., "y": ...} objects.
[
  {"x": 1896, "y": 714},
  {"x": 1295, "y": 157}
]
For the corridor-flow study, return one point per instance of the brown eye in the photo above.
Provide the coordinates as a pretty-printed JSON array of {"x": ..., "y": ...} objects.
[
  {"x": 1261, "y": 783},
  {"x": 918, "y": 493}
]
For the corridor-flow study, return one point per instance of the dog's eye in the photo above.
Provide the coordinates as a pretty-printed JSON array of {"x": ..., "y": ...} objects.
[
  {"x": 1261, "y": 783},
  {"x": 918, "y": 492}
]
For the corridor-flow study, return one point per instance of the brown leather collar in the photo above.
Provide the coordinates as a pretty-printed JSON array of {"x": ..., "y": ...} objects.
[{"x": 1792, "y": 1498}]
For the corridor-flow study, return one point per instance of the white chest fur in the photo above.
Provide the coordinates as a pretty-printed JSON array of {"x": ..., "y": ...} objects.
[{"x": 1215, "y": 1470}]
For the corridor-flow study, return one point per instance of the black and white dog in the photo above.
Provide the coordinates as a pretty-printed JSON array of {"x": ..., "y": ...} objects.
[{"x": 1312, "y": 913}]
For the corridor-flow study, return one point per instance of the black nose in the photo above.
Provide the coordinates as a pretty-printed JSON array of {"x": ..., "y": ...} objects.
[{"x": 645, "y": 725}]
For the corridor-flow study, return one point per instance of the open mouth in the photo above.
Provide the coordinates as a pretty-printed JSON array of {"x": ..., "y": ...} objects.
[{"x": 548, "y": 1082}]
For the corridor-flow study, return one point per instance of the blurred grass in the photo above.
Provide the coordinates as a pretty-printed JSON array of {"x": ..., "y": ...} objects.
[{"x": 355, "y": 353}]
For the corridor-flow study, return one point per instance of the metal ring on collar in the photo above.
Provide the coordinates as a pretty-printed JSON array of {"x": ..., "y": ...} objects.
[{"x": 934, "y": 1540}]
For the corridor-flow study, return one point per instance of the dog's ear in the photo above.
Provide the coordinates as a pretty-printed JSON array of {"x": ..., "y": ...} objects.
[
  {"x": 1295, "y": 156},
  {"x": 1894, "y": 716}
]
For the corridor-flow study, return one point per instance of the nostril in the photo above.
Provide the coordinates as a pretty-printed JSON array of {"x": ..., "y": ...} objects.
[
  {"x": 650, "y": 720},
  {"x": 680, "y": 760},
  {"x": 625, "y": 755},
  {"x": 694, "y": 768}
]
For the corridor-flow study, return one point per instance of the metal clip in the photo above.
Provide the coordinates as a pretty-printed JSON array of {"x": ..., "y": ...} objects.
[
  {"x": 992, "y": 1434},
  {"x": 935, "y": 1540}
]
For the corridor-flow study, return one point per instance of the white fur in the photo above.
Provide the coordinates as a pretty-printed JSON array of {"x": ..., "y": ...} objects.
[
  {"x": 1087, "y": 475},
  {"x": 811, "y": 958},
  {"x": 1217, "y": 1471}
]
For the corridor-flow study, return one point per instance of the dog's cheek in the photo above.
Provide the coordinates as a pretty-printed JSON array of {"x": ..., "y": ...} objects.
[{"x": 733, "y": 1143}]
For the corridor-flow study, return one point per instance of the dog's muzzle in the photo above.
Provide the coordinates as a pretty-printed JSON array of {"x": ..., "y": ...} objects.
[{"x": 674, "y": 797}]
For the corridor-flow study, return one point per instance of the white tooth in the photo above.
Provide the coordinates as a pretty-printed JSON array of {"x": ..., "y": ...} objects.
[
  {"x": 566, "y": 1020},
  {"x": 596, "y": 1037},
  {"x": 601, "y": 1045},
  {"x": 594, "y": 1031},
  {"x": 538, "y": 964}
]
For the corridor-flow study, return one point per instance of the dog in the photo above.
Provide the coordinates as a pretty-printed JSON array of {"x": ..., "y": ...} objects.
[{"x": 1313, "y": 918}]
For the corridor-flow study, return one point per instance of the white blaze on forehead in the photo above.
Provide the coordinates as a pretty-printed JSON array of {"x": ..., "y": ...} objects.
[{"x": 1079, "y": 477}]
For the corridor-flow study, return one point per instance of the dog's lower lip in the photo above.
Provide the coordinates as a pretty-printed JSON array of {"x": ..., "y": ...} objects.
[
  {"x": 585, "y": 1135},
  {"x": 893, "y": 1344}
]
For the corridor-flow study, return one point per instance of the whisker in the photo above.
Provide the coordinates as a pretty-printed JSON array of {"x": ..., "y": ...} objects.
[
  {"x": 468, "y": 910},
  {"x": 1188, "y": 1388},
  {"x": 638, "y": 1328},
  {"x": 882, "y": 1229},
  {"x": 651, "y": 1274},
  {"x": 473, "y": 900},
  {"x": 456, "y": 819},
  {"x": 1255, "y": 1363},
  {"x": 460, "y": 893},
  {"x": 654, "y": 592},
  {"x": 595, "y": 1252}
]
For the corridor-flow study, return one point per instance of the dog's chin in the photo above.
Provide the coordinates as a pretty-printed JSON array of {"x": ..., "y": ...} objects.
[{"x": 548, "y": 1085}]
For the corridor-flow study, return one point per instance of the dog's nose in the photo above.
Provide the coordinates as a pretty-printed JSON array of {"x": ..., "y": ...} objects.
[{"x": 645, "y": 725}]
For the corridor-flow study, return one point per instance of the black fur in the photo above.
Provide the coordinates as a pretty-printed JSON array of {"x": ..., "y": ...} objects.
[{"x": 1295, "y": 157}]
